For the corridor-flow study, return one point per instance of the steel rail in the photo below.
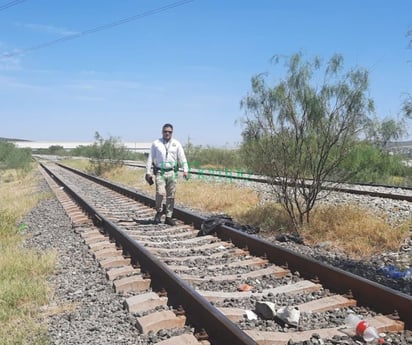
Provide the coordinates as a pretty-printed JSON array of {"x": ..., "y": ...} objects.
[
  {"x": 381, "y": 298},
  {"x": 368, "y": 293},
  {"x": 218, "y": 327},
  {"x": 236, "y": 175}
]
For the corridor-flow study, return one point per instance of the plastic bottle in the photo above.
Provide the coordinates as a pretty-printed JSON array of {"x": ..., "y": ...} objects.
[{"x": 362, "y": 328}]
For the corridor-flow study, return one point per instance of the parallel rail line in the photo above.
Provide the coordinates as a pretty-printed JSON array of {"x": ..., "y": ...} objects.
[{"x": 329, "y": 186}]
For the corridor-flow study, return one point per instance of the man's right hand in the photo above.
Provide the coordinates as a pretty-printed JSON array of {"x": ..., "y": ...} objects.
[{"x": 149, "y": 179}]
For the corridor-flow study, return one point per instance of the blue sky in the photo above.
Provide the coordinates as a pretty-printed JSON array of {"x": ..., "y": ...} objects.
[{"x": 190, "y": 65}]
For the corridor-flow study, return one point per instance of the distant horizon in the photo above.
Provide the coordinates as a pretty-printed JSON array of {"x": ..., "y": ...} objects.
[{"x": 409, "y": 141}]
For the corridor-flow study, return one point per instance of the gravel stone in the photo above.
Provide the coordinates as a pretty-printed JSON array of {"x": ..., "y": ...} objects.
[{"x": 90, "y": 312}]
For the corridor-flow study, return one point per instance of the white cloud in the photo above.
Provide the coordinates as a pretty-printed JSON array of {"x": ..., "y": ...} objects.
[{"x": 50, "y": 29}]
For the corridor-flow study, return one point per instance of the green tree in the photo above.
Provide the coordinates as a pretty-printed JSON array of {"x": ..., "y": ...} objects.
[
  {"x": 106, "y": 154},
  {"x": 82, "y": 151},
  {"x": 407, "y": 107},
  {"x": 370, "y": 163},
  {"x": 383, "y": 132},
  {"x": 298, "y": 131},
  {"x": 407, "y": 103},
  {"x": 56, "y": 150}
]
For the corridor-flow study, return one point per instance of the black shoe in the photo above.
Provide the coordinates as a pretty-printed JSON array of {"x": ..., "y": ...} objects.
[
  {"x": 170, "y": 221},
  {"x": 157, "y": 218}
]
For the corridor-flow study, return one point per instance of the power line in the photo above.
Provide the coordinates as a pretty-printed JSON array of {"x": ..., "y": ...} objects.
[
  {"x": 10, "y": 4},
  {"x": 98, "y": 28}
]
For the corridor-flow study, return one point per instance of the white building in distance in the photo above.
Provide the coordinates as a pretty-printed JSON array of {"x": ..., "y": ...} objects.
[{"x": 35, "y": 145}]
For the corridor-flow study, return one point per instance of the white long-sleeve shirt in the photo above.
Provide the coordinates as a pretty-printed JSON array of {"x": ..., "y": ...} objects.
[{"x": 166, "y": 154}]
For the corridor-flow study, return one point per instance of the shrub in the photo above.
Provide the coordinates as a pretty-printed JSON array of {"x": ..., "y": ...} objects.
[{"x": 12, "y": 157}]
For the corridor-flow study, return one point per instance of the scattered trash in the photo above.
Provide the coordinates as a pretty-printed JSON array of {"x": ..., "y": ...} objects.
[
  {"x": 289, "y": 315},
  {"x": 392, "y": 271},
  {"x": 289, "y": 238},
  {"x": 362, "y": 328},
  {"x": 250, "y": 315},
  {"x": 267, "y": 310},
  {"x": 244, "y": 287},
  {"x": 212, "y": 223}
]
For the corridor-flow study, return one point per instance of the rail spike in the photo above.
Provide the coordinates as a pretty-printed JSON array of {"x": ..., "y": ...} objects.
[{"x": 202, "y": 335}]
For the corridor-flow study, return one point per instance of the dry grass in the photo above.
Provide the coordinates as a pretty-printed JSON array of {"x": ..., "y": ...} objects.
[
  {"x": 18, "y": 192},
  {"x": 216, "y": 197},
  {"x": 80, "y": 164},
  {"x": 23, "y": 272},
  {"x": 270, "y": 217},
  {"x": 206, "y": 196},
  {"x": 22, "y": 332},
  {"x": 355, "y": 230},
  {"x": 348, "y": 228}
]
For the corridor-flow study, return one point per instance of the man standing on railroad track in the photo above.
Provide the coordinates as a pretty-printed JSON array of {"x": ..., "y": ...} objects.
[{"x": 164, "y": 156}]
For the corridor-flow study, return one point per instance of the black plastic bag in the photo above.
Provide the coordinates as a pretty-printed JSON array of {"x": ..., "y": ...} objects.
[{"x": 210, "y": 225}]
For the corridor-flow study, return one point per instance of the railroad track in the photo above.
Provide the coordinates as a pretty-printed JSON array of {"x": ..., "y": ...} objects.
[
  {"x": 170, "y": 277},
  {"x": 372, "y": 190}
]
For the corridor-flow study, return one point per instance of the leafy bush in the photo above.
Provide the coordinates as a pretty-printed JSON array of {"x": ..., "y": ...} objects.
[
  {"x": 12, "y": 157},
  {"x": 369, "y": 163},
  {"x": 106, "y": 154},
  {"x": 199, "y": 156},
  {"x": 90, "y": 151},
  {"x": 57, "y": 150},
  {"x": 82, "y": 151}
]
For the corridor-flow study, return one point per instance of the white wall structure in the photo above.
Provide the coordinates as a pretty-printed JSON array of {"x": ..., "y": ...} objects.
[{"x": 34, "y": 145}]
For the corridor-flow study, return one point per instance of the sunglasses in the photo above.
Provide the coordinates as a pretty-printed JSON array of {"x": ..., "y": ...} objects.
[{"x": 167, "y": 131}]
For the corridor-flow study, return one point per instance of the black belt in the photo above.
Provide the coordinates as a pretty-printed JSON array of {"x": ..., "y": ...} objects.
[{"x": 164, "y": 169}]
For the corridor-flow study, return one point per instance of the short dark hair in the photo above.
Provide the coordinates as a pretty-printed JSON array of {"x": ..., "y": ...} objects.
[{"x": 167, "y": 125}]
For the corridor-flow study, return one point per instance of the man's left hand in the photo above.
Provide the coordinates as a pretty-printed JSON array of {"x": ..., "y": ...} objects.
[{"x": 149, "y": 179}]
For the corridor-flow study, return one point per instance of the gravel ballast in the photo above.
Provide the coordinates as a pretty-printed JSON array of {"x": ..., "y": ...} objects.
[{"x": 90, "y": 312}]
